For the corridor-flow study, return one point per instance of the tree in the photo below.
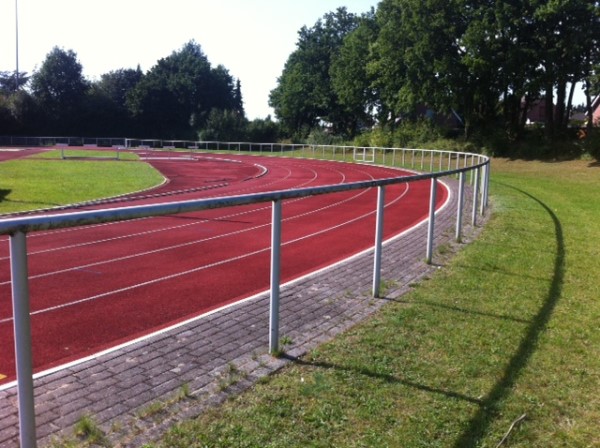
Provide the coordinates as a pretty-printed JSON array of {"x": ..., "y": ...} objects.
[
  {"x": 117, "y": 84},
  {"x": 387, "y": 66},
  {"x": 427, "y": 56},
  {"x": 304, "y": 95},
  {"x": 350, "y": 78},
  {"x": 174, "y": 99},
  {"x": 106, "y": 105},
  {"x": 60, "y": 88},
  {"x": 484, "y": 59},
  {"x": 262, "y": 130},
  {"x": 567, "y": 34},
  {"x": 223, "y": 125},
  {"x": 9, "y": 81}
]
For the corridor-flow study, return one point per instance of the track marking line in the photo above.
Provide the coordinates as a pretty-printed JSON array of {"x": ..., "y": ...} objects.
[
  {"x": 188, "y": 243},
  {"x": 216, "y": 263}
]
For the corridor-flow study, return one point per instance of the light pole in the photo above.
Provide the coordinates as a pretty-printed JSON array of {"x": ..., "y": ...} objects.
[{"x": 17, "y": 45}]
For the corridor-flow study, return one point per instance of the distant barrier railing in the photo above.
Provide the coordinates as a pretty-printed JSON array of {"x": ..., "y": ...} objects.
[{"x": 439, "y": 163}]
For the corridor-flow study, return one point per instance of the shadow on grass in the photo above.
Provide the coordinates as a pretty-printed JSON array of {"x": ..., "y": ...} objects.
[
  {"x": 4, "y": 194},
  {"x": 384, "y": 377},
  {"x": 469, "y": 311},
  {"x": 480, "y": 422}
]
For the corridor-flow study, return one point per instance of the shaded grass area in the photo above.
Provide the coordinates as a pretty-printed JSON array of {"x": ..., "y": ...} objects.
[
  {"x": 29, "y": 184},
  {"x": 508, "y": 329}
]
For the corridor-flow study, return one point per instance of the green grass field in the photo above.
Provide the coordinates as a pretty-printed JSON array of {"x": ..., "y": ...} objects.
[
  {"x": 46, "y": 181},
  {"x": 506, "y": 336}
]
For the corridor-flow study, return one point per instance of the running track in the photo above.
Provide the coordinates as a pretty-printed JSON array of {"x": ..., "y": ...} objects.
[{"x": 99, "y": 286}]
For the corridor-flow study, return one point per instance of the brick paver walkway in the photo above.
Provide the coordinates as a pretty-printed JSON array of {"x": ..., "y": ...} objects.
[{"x": 220, "y": 354}]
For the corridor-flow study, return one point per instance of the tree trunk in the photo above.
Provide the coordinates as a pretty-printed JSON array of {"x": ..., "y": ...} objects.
[
  {"x": 549, "y": 101},
  {"x": 559, "y": 113},
  {"x": 523, "y": 111},
  {"x": 588, "y": 108},
  {"x": 570, "y": 105}
]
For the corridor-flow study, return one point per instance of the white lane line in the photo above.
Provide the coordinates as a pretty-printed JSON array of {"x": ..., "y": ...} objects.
[
  {"x": 210, "y": 265},
  {"x": 198, "y": 317},
  {"x": 145, "y": 233},
  {"x": 189, "y": 243}
]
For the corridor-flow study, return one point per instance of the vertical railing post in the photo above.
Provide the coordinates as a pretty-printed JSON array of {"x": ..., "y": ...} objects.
[
  {"x": 486, "y": 186},
  {"x": 483, "y": 183},
  {"x": 378, "y": 240},
  {"x": 275, "y": 277},
  {"x": 22, "y": 331},
  {"x": 475, "y": 197},
  {"x": 431, "y": 223},
  {"x": 460, "y": 206}
]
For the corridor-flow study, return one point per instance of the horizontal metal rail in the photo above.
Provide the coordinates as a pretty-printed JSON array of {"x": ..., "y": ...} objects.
[
  {"x": 18, "y": 227},
  {"x": 27, "y": 224}
]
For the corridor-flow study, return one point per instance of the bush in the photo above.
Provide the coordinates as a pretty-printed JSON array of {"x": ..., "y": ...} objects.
[
  {"x": 406, "y": 134},
  {"x": 319, "y": 136},
  {"x": 413, "y": 134}
]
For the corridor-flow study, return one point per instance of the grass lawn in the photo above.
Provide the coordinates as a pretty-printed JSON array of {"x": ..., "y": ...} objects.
[
  {"x": 28, "y": 184},
  {"x": 506, "y": 336}
]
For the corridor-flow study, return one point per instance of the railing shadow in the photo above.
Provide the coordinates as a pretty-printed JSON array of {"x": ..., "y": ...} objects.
[
  {"x": 4, "y": 193},
  {"x": 384, "y": 377},
  {"x": 487, "y": 412}
]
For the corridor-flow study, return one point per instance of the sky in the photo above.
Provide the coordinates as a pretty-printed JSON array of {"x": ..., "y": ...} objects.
[{"x": 251, "y": 38}]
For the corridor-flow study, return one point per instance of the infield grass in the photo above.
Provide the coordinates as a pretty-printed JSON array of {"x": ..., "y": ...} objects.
[
  {"x": 507, "y": 334},
  {"x": 30, "y": 184}
]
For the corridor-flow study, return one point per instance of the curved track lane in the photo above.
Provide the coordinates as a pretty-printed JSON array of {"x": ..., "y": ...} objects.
[{"x": 98, "y": 286}]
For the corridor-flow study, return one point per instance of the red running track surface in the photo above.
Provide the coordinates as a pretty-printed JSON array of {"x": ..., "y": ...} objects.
[{"x": 98, "y": 286}]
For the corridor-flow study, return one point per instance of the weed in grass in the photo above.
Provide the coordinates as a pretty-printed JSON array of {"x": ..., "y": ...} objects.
[
  {"x": 230, "y": 377},
  {"x": 116, "y": 427},
  {"x": 286, "y": 341},
  {"x": 152, "y": 410},
  {"x": 386, "y": 286},
  {"x": 87, "y": 430},
  {"x": 183, "y": 393},
  {"x": 444, "y": 249},
  {"x": 315, "y": 387},
  {"x": 64, "y": 443}
]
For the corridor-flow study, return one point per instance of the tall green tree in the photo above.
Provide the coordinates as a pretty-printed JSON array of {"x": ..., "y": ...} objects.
[
  {"x": 10, "y": 82},
  {"x": 60, "y": 90},
  {"x": 350, "y": 79},
  {"x": 304, "y": 94},
  {"x": 387, "y": 66},
  {"x": 567, "y": 35},
  {"x": 107, "y": 111},
  {"x": 426, "y": 58},
  {"x": 174, "y": 99},
  {"x": 486, "y": 60}
]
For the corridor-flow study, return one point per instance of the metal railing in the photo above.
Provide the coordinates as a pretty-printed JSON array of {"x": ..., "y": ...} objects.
[{"x": 440, "y": 163}]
